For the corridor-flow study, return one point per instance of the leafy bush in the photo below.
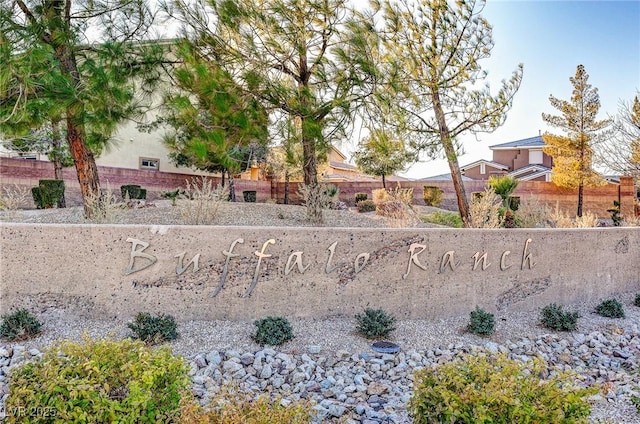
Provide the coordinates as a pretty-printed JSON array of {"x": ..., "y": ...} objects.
[
  {"x": 48, "y": 194},
  {"x": 480, "y": 389},
  {"x": 273, "y": 331},
  {"x": 360, "y": 197},
  {"x": 152, "y": 329},
  {"x": 100, "y": 381},
  {"x": 232, "y": 407},
  {"x": 249, "y": 196},
  {"x": 554, "y": 318},
  {"x": 481, "y": 322},
  {"x": 637, "y": 300},
  {"x": 375, "y": 323},
  {"x": 20, "y": 325},
  {"x": 615, "y": 214},
  {"x": 432, "y": 195},
  {"x": 610, "y": 308},
  {"x": 133, "y": 192},
  {"x": 450, "y": 219},
  {"x": 366, "y": 206}
]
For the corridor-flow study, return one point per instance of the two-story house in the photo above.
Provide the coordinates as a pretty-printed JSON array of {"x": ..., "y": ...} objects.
[{"x": 521, "y": 159}]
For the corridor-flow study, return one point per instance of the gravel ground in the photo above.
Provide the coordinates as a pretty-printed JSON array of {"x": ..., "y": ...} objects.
[{"x": 331, "y": 335}]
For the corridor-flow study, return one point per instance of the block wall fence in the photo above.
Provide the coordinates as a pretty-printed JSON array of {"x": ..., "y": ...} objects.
[
  {"x": 244, "y": 273},
  {"x": 26, "y": 173}
]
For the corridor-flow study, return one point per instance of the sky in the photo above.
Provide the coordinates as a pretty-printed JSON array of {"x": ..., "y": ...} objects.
[{"x": 551, "y": 38}]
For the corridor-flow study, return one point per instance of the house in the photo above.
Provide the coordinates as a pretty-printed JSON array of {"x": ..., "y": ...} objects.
[{"x": 521, "y": 159}]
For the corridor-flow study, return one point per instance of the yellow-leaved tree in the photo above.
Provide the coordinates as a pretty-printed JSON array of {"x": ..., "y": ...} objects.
[{"x": 572, "y": 152}]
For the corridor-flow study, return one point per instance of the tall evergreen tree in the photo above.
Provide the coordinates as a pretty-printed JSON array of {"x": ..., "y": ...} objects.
[
  {"x": 434, "y": 48},
  {"x": 301, "y": 58},
  {"x": 53, "y": 72},
  {"x": 572, "y": 153},
  {"x": 216, "y": 126}
]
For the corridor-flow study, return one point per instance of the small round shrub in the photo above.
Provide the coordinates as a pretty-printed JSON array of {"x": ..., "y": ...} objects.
[
  {"x": 99, "y": 381},
  {"x": 375, "y": 323},
  {"x": 554, "y": 318},
  {"x": 154, "y": 329},
  {"x": 450, "y": 219},
  {"x": 360, "y": 197},
  {"x": 20, "y": 325},
  {"x": 610, "y": 308},
  {"x": 366, "y": 206},
  {"x": 481, "y": 389},
  {"x": 273, "y": 331},
  {"x": 481, "y": 322},
  {"x": 637, "y": 300},
  {"x": 233, "y": 407},
  {"x": 432, "y": 195}
]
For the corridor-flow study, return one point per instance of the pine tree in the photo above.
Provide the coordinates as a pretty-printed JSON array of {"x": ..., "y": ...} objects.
[
  {"x": 435, "y": 48},
  {"x": 572, "y": 153},
  {"x": 383, "y": 154},
  {"x": 51, "y": 73}
]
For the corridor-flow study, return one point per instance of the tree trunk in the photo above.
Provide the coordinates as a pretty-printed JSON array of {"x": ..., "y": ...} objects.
[
  {"x": 56, "y": 143},
  {"x": 85, "y": 165},
  {"x": 580, "y": 195},
  {"x": 384, "y": 182},
  {"x": 232, "y": 187},
  {"x": 286, "y": 187},
  {"x": 452, "y": 159}
]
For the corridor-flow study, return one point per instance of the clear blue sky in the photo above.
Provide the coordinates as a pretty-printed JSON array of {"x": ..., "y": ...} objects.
[{"x": 551, "y": 38}]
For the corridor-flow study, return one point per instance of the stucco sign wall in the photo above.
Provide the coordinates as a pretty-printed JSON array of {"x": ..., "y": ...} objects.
[{"x": 249, "y": 272}]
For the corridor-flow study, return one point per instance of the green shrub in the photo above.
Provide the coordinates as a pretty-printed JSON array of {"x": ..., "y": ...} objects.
[
  {"x": 360, "y": 197},
  {"x": 133, "y": 191},
  {"x": 503, "y": 186},
  {"x": 48, "y": 194},
  {"x": 154, "y": 330},
  {"x": 273, "y": 331},
  {"x": 554, "y": 318},
  {"x": 480, "y": 389},
  {"x": 249, "y": 196},
  {"x": 20, "y": 325},
  {"x": 99, "y": 381},
  {"x": 233, "y": 407},
  {"x": 432, "y": 195},
  {"x": 610, "y": 308},
  {"x": 635, "y": 400},
  {"x": 615, "y": 214},
  {"x": 481, "y": 322},
  {"x": 375, "y": 323},
  {"x": 637, "y": 300},
  {"x": 366, "y": 206},
  {"x": 450, "y": 219}
]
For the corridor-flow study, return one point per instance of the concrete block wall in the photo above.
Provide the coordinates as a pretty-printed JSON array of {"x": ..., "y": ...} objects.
[{"x": 244, "y": 273}]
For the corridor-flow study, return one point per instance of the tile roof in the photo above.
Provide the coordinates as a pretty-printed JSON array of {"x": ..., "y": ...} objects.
[{"x": 527, "y": 143}]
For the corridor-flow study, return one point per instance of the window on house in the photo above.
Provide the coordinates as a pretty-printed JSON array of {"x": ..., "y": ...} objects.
[
  {"x": 535, "y": 157},
  {"x": 483, "y": 169},
  {"x": 146, "y": 163}
]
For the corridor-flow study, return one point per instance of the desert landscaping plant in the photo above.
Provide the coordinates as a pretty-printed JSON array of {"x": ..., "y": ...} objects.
[
  {"x": 273, "y": 331},
  {"x": 481, "y": 322},
  {"x": 532, "y": 214},
  {"x": 554, "y": 318},
  {"x": 360, "y": 197},
  {"x": 104, "y": 206},
  {"x": 99, "y": 381},
  {"x": 488, "y": 389},
  {"x": 432, "y": 195},
  {"x": 484, "y": 210},
  {"x": 201, "y": 200},
  {"x": 375, "y": 323},
  {"x": 449, "y": 219},
  {"x": 154, "y": 329},
  {"x": 610, "y": 308},
  {"x": 366, "y": 206},
  {"x": 19, "y": 325},
  {"x": 49, "y": 194},
  {"x": 504, "y": 186},
  {"x": 230, "y": 406},
  {"x": 13, "y": 198}
]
